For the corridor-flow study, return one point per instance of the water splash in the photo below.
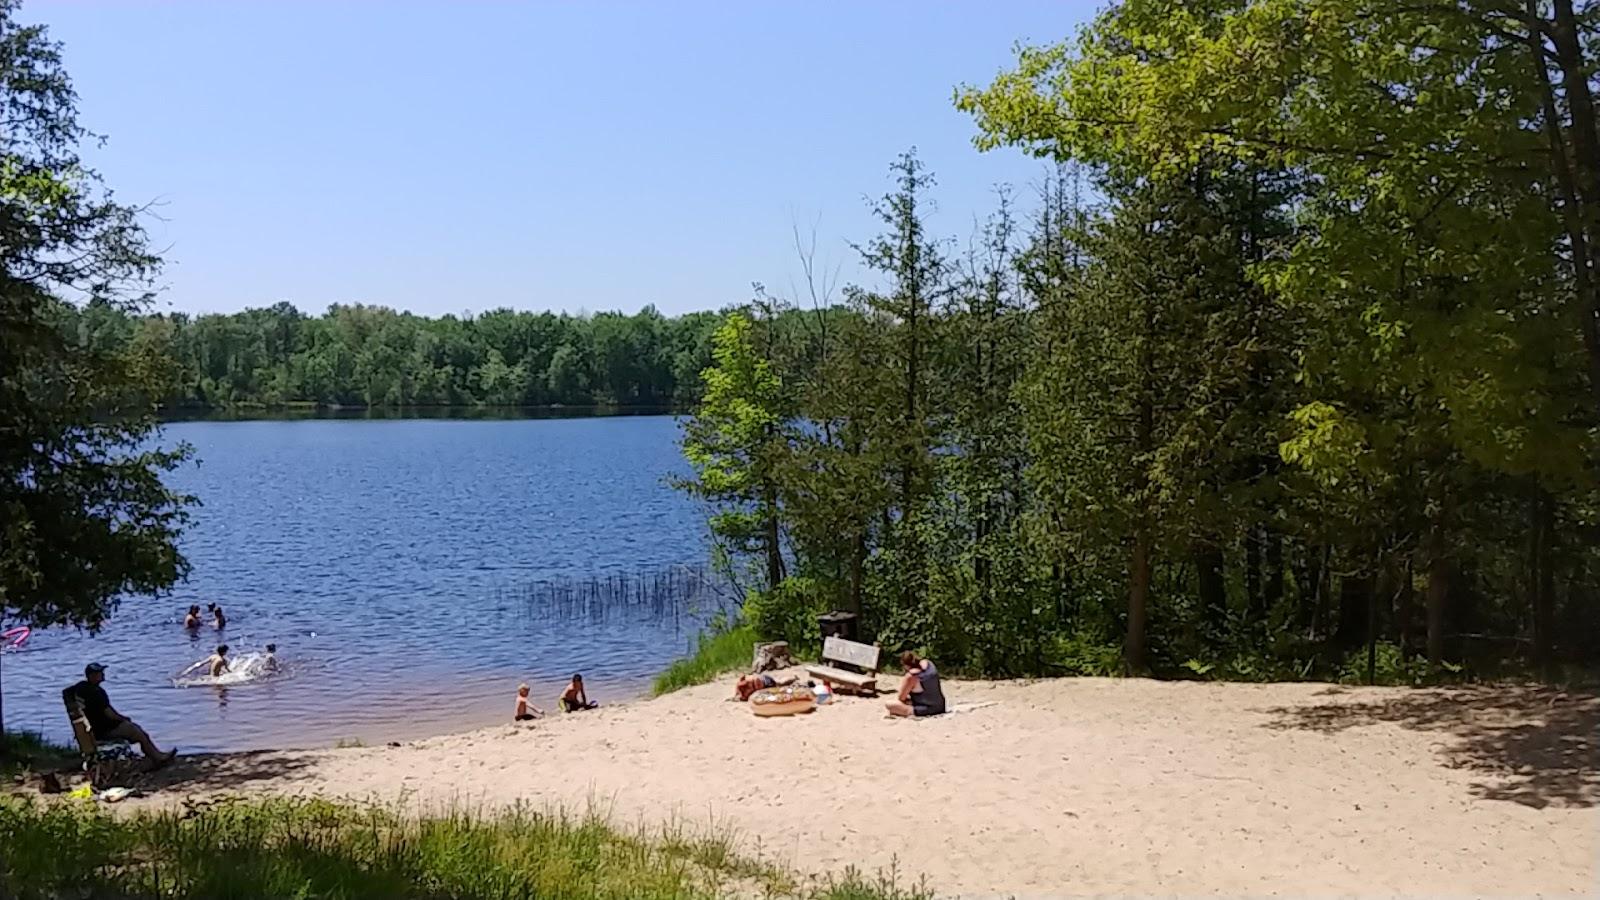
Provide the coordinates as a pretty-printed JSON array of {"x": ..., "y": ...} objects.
[{"x": 242, "y": 669}]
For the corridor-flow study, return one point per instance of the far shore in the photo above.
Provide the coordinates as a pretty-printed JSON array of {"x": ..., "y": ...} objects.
[{"x": 1045, "y": 788}]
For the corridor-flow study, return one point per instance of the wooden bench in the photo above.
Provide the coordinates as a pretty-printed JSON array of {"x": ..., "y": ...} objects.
[{"x": 850, "y": 665}]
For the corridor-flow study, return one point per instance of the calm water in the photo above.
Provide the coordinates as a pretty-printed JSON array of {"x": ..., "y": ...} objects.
[{"x": 391, "y": 562}]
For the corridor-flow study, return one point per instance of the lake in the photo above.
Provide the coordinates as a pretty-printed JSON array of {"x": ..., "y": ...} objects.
[{"x": 411, "y": 573}]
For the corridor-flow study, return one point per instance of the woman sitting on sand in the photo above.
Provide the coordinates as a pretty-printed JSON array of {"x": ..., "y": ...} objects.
[
  {"x": 749, "y": 684},
  {"x": 573, "y": 698},
  {"x": 920, "y": 694}
]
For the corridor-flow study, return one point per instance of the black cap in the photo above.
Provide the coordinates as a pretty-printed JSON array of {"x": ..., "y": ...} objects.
[{"x": 93, "y": 667}]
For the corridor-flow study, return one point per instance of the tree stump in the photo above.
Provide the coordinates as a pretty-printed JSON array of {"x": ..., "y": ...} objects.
[{"x": 771, "y": 655}]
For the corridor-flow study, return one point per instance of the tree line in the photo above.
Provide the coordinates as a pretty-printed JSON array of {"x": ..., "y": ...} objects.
[
  {"x": 1289, "y": 370},
  {"x": 373, "y": 356}
]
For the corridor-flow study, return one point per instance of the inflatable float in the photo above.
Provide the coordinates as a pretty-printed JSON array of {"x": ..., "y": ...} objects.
[
  {"x": 14, "y": 638},
  {"x": 783, "y": 701}
]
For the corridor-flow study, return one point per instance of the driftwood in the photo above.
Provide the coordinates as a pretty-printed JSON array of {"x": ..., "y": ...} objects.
[{"x": 773, "y": 655}]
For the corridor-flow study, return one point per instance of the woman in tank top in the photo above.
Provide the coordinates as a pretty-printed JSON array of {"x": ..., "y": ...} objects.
[{"x": 920, "y": 693}]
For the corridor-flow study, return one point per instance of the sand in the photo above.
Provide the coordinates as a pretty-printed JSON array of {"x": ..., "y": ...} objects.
[{"x": 1054, "y": 788}]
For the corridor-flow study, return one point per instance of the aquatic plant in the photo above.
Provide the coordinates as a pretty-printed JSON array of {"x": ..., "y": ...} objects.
[{"x": 667, "y": 594}]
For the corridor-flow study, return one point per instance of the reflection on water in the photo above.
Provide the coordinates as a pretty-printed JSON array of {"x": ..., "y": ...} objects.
[{"x": 408, "y": 573}]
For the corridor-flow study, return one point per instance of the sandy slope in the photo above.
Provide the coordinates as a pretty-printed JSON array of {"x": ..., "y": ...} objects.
[{"x": 1059, "y": 787}]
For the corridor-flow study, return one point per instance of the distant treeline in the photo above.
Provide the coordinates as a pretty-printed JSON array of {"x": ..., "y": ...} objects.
[{"x": 376, "y": 357}]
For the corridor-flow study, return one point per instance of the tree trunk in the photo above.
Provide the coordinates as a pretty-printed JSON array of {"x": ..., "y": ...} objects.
[
  {"x": 772, "y": 539},
  {"x": 1313, "y": 590},
  {"x": 1138, "y": 599},
  {"x": 1543, "y": 586},
  {"x": 1584, "y": 227},
  {"x": 1354, "y": 591},
  {"x": 1405, "y": 611},
  {"x": 1438, "y": 594},
  {"x": 1272, "y": 589},
  {"x": 1252, "y": 577},
  {"x": 1208, "y": 564},
  {"x": 858, "y": 560}
]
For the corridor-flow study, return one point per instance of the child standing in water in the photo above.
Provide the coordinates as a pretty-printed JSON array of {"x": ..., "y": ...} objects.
[
  {"x": 217, "y": 619},
  {"x": 270, "y": 662},
  {"x": 523, "y": 706},
  {"x": 216, "y": 663}
]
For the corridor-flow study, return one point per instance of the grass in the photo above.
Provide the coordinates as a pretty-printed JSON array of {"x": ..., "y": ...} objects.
[
  {"x": 26, "y": 751},
  {"x": 311, "y": 848},
  {"x": 716, "y": 653}
]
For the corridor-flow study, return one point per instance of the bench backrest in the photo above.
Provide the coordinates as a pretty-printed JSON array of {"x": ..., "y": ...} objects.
[{"x": 862, "y": 656}]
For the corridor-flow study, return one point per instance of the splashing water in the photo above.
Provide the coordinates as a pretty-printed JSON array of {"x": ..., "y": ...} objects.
[{"x": 242, "y": 669}]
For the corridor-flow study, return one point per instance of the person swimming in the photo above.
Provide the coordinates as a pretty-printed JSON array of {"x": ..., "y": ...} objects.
[
  {"x": 215, "y": 664},
  {"x": 192, "y": 620},
  {"x": 269, "y": 662},
  {"x": 523, "y": 706},
  {"x": 218, "y": 620}
]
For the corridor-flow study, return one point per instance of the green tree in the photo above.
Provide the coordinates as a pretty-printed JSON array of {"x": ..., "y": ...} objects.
[
  {"x": 735, "y": 442},
  {"x": 84, "y": 516}
]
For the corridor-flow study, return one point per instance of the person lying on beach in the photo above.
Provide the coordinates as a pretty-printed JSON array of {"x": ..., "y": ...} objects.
[
  {"x": 216, "y": 663},
  {"x": 749, "y": 684},
  {"x": 217, "y": 618},
  {"x": 523, "y": 706},
  {"x": 573, "y": 698},
  {"x": 920, "y": 694},
  {"x": 105, "y": 723},
  {"x": 192, "y": 620}
]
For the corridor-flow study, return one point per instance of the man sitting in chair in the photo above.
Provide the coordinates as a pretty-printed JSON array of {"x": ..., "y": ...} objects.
[{"x": 106, "y": 723}]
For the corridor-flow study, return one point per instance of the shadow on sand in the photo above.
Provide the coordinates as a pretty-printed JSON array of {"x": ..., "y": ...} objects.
[
  {"x": 219, "y": 772},
  {"x": 1535, "y": 746}
]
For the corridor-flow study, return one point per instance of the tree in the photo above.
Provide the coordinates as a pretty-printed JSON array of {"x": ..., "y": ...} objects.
[
  {"x": 84, "y": 516},
  {"x": 735, "y": 443}
]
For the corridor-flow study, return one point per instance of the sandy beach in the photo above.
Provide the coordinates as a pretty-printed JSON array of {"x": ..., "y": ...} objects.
[{"x": 1053, "y": 788}]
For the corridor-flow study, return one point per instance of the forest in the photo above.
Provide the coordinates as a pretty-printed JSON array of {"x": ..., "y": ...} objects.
[
  {"x": 372, "y": 356},
  {"x": 1289, "y": 371}
]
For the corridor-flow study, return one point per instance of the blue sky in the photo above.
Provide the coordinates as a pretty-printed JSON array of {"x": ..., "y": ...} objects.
[{"x": 454, "y": 157}]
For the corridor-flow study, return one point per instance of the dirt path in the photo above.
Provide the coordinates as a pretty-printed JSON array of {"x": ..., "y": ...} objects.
[{"x": 1074, "y": 786}]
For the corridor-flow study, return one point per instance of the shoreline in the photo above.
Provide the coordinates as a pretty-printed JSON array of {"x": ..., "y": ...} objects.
[{"x": 1046, "y": 787}]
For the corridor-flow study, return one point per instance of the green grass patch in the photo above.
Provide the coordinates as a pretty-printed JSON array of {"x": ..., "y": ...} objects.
[
  {"x": 310, "y": 848},
  {"x": 716, "y": 653},
  {"x": 25, "y": 751}
]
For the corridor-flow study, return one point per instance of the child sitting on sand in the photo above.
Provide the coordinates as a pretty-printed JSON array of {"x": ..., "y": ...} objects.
[
  {"x": 574, "y": 698},
  {"x": 522, "y": 714}
]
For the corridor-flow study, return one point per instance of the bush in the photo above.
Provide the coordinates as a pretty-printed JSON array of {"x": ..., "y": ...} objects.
[
  {"x": 1079, "y": 654},
  {"x": 316, "y": 848},
  {"x": 1390, "y": 667},
  {"x": 789, "y": 611},
  {"x": 721, "y": 649}
]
